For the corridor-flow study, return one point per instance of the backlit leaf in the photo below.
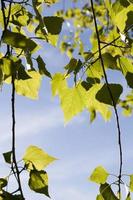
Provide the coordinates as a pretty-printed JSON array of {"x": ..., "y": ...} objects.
[
  {"x": 72, "y": 101},
  {"x": 58, "y": 84},
  {"x": 131, "y": 183},
  {"x": 99, "y": 175},
  {"x": 37, "y": 158},
  {"x": 99, "y": 197},
  {"x": 29, "y": 87},
  {"x": 38, "y": 182},
  {"x": 122, "y": 17},
  {"x": 93, "y": 104}
]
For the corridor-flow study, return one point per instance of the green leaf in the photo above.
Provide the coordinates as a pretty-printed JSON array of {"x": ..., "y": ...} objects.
[
  {"x": 93, "y": 104},
  {"x": 125, "y": 64},
  {"x": 29, "y": 87},
  {"x": 7, "y": 156},
  {"x": 37, "y": 158},
  {"x": 107, "y": 192},
  {"x": 95, "y": 70},
  {"x": 109, "y": 61},
  {"x": 131, "y": 183},
  {"x": 99, "y": 197},
  {"x": 38, "y": 182},
  {"x": 53, "y": 39},
  {"x": 19, "y": 41},
  {"x": 53, "y": 24},
  {"x": 72, "y": 101},
  {"x": 103, "y": 94},
  {"x": 7, "y": 66},
  {"x": 58, "y": 84},
  {"x": 3, "y": 183},
  {"x": 125, "y": 15},
  {"x": 42, "y": 68},
  {"x": 99, "y": 175}
]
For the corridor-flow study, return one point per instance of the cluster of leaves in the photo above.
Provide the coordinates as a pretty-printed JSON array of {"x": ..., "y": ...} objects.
[
  {"x": 117, "y": 49},
  {"x": 35, "y": 161},
  {"x": 24, "y": 24},
  {"x": 100, "y": 176}
]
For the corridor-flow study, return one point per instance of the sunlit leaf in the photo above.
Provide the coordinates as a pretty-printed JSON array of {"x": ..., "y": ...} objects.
[
  {"x": 122, "y": 17},
  {"x": 58, "y": 84},
  {"x": 93, "y": 104},
  {"x": 99, "y": 175},
  {"x": 72, "y": 101},
  {"x": 29, "y": 87},
  {"x": 99, "y": 197},
  {"x": 131, "y": 183},
  {"x": 36, "y": 157},
  {"x": 38, "y": 182}
]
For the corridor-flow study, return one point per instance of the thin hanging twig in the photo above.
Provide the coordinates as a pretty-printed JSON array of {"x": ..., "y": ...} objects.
[
  {"x": 14, "y": 139},
  {"x": 112, "y": 98}
]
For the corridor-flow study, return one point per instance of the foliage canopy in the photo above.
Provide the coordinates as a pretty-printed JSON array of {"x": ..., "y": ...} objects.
[{"x": 109, "y": 25}]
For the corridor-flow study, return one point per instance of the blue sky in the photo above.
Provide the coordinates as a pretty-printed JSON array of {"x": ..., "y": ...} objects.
[{"x": 79, "y": 145}]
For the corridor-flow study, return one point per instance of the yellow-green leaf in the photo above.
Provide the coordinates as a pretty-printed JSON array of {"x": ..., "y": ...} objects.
[
  {"x": 123, "y": 16},
  {"x": 99, "y": 197},
  {"x": 38, "y": 182},
  {"x": 93, "y": 104},
  {"x": 99, "y": 175},
  {"x": 37, "y": 158},
  {"x": 29, "y": 87},
  {"x": 131, "y": 183},
  {"x": 72, "y": 101},
  {"x": 58, "y": 84}
]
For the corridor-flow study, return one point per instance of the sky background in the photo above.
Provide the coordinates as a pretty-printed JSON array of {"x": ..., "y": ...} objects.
[{"x": 79, "y": 145}]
